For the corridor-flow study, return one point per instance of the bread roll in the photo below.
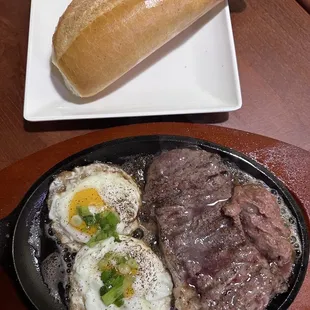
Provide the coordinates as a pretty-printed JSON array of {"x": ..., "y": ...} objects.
[{"x": 97, "y": 41}]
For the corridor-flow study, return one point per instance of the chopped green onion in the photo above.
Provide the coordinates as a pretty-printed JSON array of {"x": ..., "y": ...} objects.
[
  {"x": 106, "y": 275},
  {"x": 107, "y": 221},
  {"x": 103, "y": 264},
  {"x": 117, "y": 281},
  {"x": 112, "y": 295},
  {"x": 86, "y": 215},
  {"x": 109, "y": 255},
  {"x": 119, "y": 302},
  {"x": 116, "y": 277},
  {"x": 103, "y": 223},
  {"x": 107, "y": 227},
  {"x": 97, "y": 216},
  {"x": 124, "y": 269},
  {"x": 76, "y": 221},
  {"x": 116, "y": 236},
  {"x": 92, "y": 241},
  {"x": 89, "y": 220},
  {"x": 132, "y": 263},
  {"x": 101, "y": 235},
  {"x": 128, "y": 281},
  {"x": 83, "y": 211},
  {"x": 121, "y": 259},
  {"x": 103, "y": 290},
  {"x": 113, "y": 218}
]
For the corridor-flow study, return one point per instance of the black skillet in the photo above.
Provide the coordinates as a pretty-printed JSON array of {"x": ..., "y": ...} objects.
[{"x": 23, "y": 254}]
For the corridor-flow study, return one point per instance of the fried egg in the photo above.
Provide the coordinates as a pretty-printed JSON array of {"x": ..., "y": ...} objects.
[
  {"x": 98, "y": 186},
  {"x": 152, "y": 288}
]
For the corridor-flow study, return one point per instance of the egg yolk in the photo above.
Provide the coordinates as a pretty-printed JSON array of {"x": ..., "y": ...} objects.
[
  {"x": 86, "y": 197},
  {"x": 129, "y": 292}
]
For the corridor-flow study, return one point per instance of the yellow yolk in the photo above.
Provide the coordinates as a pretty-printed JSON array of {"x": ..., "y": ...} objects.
[
  {"x": 86, "y": 197},
  {"x": 134, "y": 272},
  {"x": 129, "y": 292}
]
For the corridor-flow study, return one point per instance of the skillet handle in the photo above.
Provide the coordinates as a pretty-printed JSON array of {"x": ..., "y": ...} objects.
[{"x": 7, "y": 226}]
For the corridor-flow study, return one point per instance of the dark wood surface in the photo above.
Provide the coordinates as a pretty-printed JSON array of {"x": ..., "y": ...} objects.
[
  {"x": 305, "y": 4},
  {"x": 272, "y": 45},
  {"x": 287, "y": 162}
]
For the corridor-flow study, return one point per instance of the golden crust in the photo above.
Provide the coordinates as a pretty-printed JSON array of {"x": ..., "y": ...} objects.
[
  {"x": 78, "y": 15},
  {"x": 95, "y": 47}
]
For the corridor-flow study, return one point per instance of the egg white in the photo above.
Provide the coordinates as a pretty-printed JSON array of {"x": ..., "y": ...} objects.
[
  {"x": 152, "y": 286},
  {"x": 116, "y": 188}
]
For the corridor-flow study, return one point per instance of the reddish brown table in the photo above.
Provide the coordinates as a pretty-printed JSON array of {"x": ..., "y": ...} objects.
[
  {"x": 272, "y": 45},
  {"x": 289, "y": 163}
]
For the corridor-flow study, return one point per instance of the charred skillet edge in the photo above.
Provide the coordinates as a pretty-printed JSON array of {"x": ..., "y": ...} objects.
[
  {"x": 20, "y": 218},
  {"x": 7, "y": 225},
  {"x": 187, "y": 141}
]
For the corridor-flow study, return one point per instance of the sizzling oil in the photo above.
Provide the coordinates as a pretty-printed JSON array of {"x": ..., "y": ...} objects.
[{"x": 55, "y": 261}]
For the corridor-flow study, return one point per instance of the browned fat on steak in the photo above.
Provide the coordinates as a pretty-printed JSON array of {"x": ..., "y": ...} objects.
[{"x": 223, "y": 251}]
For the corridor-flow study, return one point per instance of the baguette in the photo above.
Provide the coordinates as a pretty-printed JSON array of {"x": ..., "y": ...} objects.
[{"x": 98, "y": 41}]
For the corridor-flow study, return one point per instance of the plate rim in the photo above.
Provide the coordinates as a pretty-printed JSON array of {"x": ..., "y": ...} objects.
[{"x": 33, "y": 117}]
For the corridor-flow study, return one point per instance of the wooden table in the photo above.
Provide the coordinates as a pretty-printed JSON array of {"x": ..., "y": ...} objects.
[{"x": 272, "y": 44}]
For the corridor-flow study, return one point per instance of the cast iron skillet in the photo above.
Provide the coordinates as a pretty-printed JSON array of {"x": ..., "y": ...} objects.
[{"x": 23, "y": 254}]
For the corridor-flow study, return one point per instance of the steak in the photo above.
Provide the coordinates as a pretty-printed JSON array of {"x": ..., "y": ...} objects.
[
  {"x": 187, "y": 177},
  {"x": 226, "y": 247},
  {"x": 256, "y": 210}
]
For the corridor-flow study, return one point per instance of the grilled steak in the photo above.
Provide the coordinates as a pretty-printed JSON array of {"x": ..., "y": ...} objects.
[
  {"x": 187, "y": 177},
  {"x": 255, "y": 209},
  {"x": 209, "y": 238}
]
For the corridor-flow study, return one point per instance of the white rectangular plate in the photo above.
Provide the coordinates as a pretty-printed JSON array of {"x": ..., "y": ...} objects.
[{"x": 196, "y": 72}]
